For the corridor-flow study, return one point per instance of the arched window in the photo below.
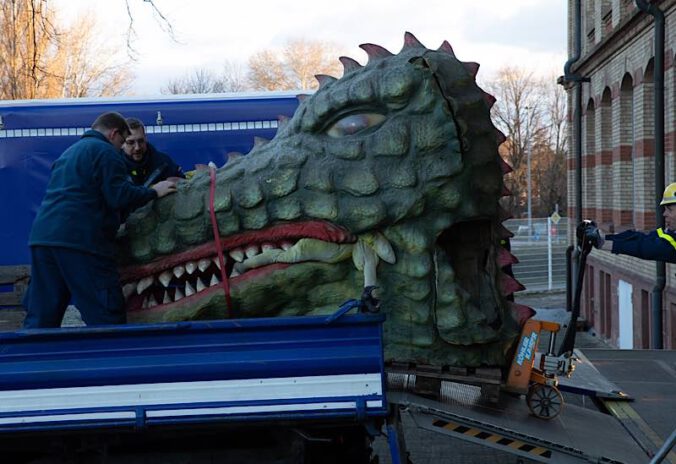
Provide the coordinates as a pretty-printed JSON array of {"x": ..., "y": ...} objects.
[
  {"x": 589, "y": 160},
  {"x": 604, "y": 159},
  {"x": 623, "y": 159}
]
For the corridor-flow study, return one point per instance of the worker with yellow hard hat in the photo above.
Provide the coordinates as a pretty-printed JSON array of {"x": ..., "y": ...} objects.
[{"x": 657, "y": 245}]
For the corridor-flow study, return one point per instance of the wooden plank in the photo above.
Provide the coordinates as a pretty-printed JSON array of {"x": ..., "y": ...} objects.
[{"x": 12, "y": 274}]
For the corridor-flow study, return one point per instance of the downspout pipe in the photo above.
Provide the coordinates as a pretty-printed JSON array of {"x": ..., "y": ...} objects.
[
  {"x": 651, "y": 8},
  {"x": 576, "y": 80}
]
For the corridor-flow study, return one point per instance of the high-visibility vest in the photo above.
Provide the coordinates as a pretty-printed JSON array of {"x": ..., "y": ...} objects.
[{"x": 667, "y": 237}]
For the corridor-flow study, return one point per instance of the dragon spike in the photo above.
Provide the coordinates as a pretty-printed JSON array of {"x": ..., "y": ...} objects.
[
  {"x": 521, "y": 313},
  {"x": 446, "y": 48},
  {"x": 324, "y": 79},
  {"x": 503, "y": 232},
  {"x": 471, "y": 67},
  {"x": 349, "y": 64},
  {"x": 505, "y": 258},
  {"x": 503, "y": 214},
  {"x": 410, "y": 41},
  {"x": 375, "y": 52},
  {"x": 506, "y": 168},
  {"x": 509, "y": 284},
  {"x": 302, "y": 97},
  {"x": 500, "y": 137},
  {"x": 282, "y": 120},
  {"x": 260, "y": 141},
  {"x": 505, "y": 191},
  {"x": 489, "y": 99},
  {"x": 233, "y": 155}
]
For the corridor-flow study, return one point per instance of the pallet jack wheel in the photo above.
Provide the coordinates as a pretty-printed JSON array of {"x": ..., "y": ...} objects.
[{"x": 544, "y": 401}]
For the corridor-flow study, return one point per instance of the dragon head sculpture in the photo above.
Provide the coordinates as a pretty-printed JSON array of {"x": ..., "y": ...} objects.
[{"x": 388, "y": 176}]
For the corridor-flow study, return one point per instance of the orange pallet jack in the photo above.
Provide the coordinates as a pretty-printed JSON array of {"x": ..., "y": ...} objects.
[{"x": 540, "y": 384}]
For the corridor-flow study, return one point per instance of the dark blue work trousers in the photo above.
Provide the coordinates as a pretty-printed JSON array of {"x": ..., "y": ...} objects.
[{"x": 59, "y": 274}]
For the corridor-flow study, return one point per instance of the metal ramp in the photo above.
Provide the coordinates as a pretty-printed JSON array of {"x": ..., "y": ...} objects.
[{"x": 577, "y": 435}]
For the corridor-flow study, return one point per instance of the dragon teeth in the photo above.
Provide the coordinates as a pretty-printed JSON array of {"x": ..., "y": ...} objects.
[
  {"x": 190, "y": 267},
  {"x": 165, "y": 278},
  {"x": 267, "y": 247},
  {"x": 151, "y": 301},
  {"x": 286, "y": 245},
  {"x": 234, "y": 273},
  {"x": 214, "y": 281},
  {"x": 166, "y": 298},
  {"x": 203, "y": 264},
  {"x": 217, "y": 263},
  {"x": 128, "y": 289},
  {"x": 200, "y": 285},
  {"x": 237, "y": 254},
  {"x": 252, "y": 251},
  {"x": 179, "y": 271},
  {"x": 178, "y": 295},
  {"x": 383, "y": 248},
  {"x": 144, "y": 283},
  {"x": 188, "y": 289},
  {"x": 145, "y": 303}
]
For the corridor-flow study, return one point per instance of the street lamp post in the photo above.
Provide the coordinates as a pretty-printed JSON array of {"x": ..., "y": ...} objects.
[{"x": 528, "y": 181}]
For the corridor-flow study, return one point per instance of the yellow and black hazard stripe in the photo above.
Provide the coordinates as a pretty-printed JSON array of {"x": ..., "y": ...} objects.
[{"x": 493, "y": 438}]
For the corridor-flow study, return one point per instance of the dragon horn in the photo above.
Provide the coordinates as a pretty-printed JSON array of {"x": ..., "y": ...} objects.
[
  {"x": 324, "y": 79},
  {"x": 349, "y": 64},
  {"x": 375, "y": 52},
  {"x": 410, "y": 41},
  {"x": 446, "y": 48},
  {"x": 471, "y": 67}
]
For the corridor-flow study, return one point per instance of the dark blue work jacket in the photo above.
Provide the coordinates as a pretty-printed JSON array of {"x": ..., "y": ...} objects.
[
  {"x": 87, "y": 190},
  {"x": 657, "y": 245}
]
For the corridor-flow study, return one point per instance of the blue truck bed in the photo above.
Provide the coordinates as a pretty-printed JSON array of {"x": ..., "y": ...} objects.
[{"x": 139, "y": 376}]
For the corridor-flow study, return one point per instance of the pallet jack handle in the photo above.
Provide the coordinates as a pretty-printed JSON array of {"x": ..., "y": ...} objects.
[{"x": 587, "y": 235}]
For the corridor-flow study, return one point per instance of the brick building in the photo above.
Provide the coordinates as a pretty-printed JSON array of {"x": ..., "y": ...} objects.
[{"x": 618, "y": 159}]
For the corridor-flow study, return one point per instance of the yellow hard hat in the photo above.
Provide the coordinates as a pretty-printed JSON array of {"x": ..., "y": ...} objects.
[{"x": 669, "y": 195}]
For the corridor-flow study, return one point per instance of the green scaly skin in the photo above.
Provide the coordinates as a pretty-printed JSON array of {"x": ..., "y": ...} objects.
[{"x": 413, "y": 184}]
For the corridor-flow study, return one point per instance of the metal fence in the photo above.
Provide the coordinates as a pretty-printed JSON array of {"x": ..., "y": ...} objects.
[{"x": 541, "y": 250}]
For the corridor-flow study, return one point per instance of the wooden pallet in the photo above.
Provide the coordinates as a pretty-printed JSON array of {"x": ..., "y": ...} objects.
[{"x": 17, "y": 278}]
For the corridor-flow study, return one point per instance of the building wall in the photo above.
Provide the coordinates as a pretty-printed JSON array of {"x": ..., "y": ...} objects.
[{"x": 618, "y": 154}]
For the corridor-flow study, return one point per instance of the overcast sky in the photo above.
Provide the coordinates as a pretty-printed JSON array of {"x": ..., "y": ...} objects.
[{"x": 495, "y": 33}]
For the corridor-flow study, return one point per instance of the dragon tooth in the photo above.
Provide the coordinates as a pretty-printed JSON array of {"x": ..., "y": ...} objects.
[
  {"x": 252, "y": 250},
  {"x": 370, "y": 265},
  {"x": 166, "y": 298},
  {"x": 144, "y": 284},
  {"x": 214, "y": 281},
  {"x": 217, "y": 262},
  {"x": 200, "y": 285},
  {"x": 234, "y": 273},
  {"x": 190, "y": 267},
  {"x": 178, "y": 295},
  {"x": 286, "y": 245},
  {"x": 383, "y": 248},
  {"x": 203, "y": 264},
  {"x": 145, "y": 303},
  {"x": 267, "y": 247},
  {"x": 128, "y": 289},
  {"x": 152, "y": 301},
  {"x": 165, "y": 278},
  {"x": 188, "y": 289},
  {"x": 358, "y": 255},
  {"x": 237, "y": 254},
  {"x": 179, "y": 271}
]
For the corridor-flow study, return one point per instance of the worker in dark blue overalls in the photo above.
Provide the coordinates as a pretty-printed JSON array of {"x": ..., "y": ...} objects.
[
  {"x": 72, "y": 239},
  {"x": 145, "y": 164},
  {"x": 658, "y": 245}
]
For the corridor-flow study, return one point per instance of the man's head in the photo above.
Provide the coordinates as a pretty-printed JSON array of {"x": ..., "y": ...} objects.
[
  {"x": 136, "y": 145},
  {"x": 669, "y": 203},
  {"x": 113, "y": 126}
]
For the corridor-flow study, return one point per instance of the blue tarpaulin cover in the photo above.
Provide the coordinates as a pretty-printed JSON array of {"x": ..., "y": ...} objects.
[{"x": 193, "y": 129}]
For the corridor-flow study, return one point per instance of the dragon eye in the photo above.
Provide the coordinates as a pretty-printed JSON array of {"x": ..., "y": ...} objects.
[{"x": 351, "y": 125}]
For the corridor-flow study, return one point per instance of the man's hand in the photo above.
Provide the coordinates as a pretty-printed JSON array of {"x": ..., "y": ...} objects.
[{"x": 164, "y": 187}]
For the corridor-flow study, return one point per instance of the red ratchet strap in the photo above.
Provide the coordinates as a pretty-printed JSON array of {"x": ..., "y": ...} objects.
[{"x": 217, "y": 241}]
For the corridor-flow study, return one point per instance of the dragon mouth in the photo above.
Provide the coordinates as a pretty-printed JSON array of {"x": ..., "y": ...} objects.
[{"x": 196, "y": 273}]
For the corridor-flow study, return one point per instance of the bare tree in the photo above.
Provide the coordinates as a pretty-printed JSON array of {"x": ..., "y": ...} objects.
[
  {"x": 198, "y": 81},
  {"x": 530, "y": 113},
  {"x": 42, "y": 59},
  {"x": 294, "y": 66}
]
